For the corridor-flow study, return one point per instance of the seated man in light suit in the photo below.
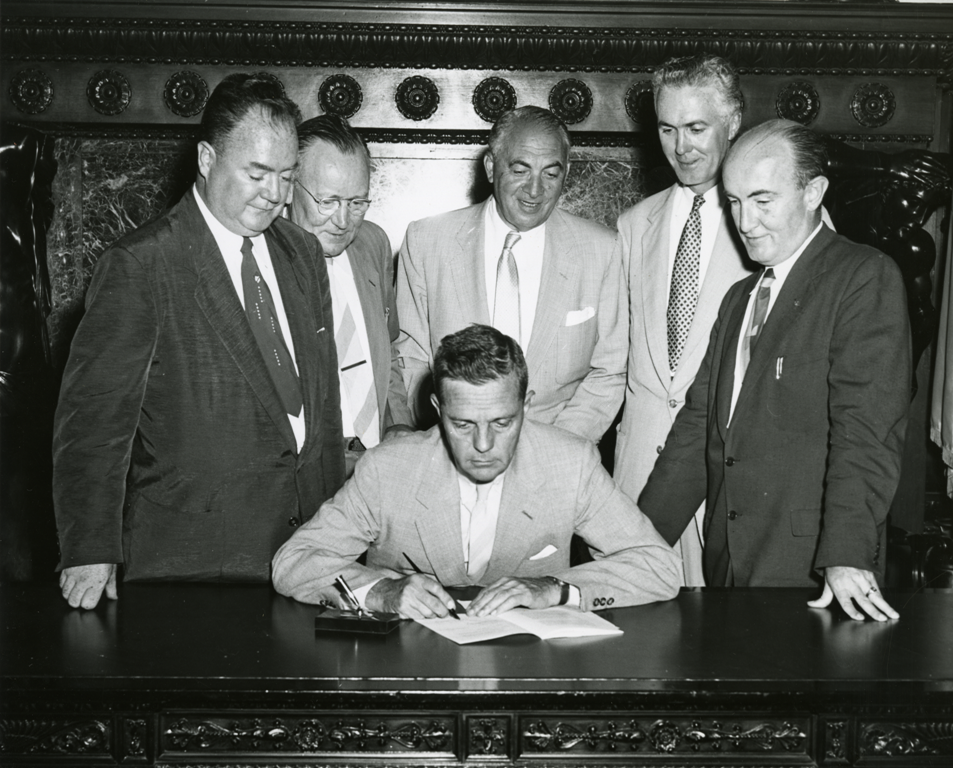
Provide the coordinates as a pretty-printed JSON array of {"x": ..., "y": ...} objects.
[
  {"x": 540, "y": 275},
  {"x": 334, "y": 174},
  {"x": 484, "y": 498}
]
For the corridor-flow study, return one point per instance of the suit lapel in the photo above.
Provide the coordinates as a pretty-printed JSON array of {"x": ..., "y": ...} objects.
[
  {"x": 215, "y": 295},
  {"x": 654, "y": 255},
  {"x": 369, "y": 292},
  {"x": 785, "y": 313},
  {"x": 438, "y": 519},
  {"x": 558, "y": 281},
  {"x": 467, "y": 264},
  {"x": 729, "y": 351}
]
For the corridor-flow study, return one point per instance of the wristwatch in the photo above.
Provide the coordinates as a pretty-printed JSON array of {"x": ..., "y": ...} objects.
[{"x": 563, "y": 589}]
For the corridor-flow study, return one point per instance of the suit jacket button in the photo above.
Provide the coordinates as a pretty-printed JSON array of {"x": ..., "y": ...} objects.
[
  {"x": 673, "y": 403},
  {"x": 730, "y": 461},
  {"x": 732, "y": 515},
  {"x": 294, "y": 522},
  {"x": 658, "y": 449}
]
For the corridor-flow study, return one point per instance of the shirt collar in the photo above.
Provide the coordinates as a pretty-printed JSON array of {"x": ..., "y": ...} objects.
[
  {"x": 468, "y": 489},
  {"x": 498, "y": 229},
  {"x": 228, "y": 242}
]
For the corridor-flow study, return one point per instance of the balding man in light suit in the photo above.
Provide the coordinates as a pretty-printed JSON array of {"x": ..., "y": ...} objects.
[{"x": 543, "y": 276}]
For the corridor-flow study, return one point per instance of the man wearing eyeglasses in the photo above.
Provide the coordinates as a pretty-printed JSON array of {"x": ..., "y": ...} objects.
[{"x": 330, "y": 200}]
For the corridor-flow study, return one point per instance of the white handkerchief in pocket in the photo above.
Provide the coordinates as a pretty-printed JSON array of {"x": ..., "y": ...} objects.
[
  {"x": 577, "y": 316},
  {"x": 544, "y": 552}
]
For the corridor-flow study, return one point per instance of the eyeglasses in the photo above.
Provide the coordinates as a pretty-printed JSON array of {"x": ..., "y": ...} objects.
[{"x": 329, "y": 205}]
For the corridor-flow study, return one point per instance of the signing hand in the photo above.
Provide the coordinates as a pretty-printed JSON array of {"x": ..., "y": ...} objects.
[
  {"x": 82, "y": 585},
  {"x": 417, "y": 596},
  {"x": 507, "y": 593},
  {"x": 853, "y": 585}
]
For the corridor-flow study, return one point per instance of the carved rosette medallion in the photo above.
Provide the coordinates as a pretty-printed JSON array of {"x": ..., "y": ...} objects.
[
  {"x": 185, "y": 94},
  {"x": 488, "y": 736},
  {"x": 493, "y": 97},
  {"x": 340, "y": 95},
  {"x": 31, "y": 91},
  {"x": 873, "y": 105},
  {"x": 571, "y": 101},
  {"x": 417, "y": 98},
  {"x": 108, "y": 92},
  {"x": 798, "y": 101},
  {"x": 640, "y": 102}
]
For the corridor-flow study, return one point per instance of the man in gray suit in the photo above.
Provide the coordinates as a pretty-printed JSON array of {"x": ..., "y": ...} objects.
[
  {"x": 330, "y": 201},
  {"x": 486, "y": 499},
  {"x": 544, "y": 277},
  {"x": 680, "y": 253}
]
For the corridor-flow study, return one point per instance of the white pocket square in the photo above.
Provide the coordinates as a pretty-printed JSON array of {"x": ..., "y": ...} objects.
[
  {"x": 577, "y": 316},
  {"x": 544, "y": 552}
]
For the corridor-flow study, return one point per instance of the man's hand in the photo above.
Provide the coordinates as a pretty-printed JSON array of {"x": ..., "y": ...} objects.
[
  {"x": 82, "y": 585},
  {"x": 417, "y": 596},
  {"x": 507, "y": 593},
  {"x": 853, "y": 585},
  {"x": 396, "y": 431}
]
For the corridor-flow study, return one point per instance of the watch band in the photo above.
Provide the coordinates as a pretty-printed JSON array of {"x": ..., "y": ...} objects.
[{"x": 563, "y": 590}]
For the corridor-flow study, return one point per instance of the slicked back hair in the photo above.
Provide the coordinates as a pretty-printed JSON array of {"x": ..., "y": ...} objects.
[
  {"x": 477, "y": 355},
  {"x": 336, "y": 131},
  {"x": 523, "y": 117},
  {"x": 236, "y": 96},
  {"x": 700, "y": 71},
  {"x": 808, "y": 150}
]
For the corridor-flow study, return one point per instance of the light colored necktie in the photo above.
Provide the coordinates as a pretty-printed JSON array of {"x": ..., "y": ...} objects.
[
  {"x": 263, "y": 319},
  {"x": 683, "y": 295},
  {"x": 506, "y": 307},
  {"x": 480, "y": 536},
  {"x": 758, "y": 315},
  {"x": 356, "y": 375}
]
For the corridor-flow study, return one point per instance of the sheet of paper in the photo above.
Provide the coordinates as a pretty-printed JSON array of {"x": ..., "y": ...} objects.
[
  {"x": 470, "y": 629},
  {"x": 547, "y": 623}
]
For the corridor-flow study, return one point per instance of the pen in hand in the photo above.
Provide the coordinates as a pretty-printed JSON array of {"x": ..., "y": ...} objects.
[{"x": 417, "y": 570}]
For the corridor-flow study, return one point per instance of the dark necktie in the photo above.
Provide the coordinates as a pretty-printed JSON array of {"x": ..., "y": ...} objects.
[
  {"x": 683, "y": 295},
  {"x": 263, "y": 319},
  {"x": 758, "y": 315}
]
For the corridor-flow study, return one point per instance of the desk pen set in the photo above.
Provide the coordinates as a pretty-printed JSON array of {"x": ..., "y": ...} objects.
[{"x": 354, "y": 618}]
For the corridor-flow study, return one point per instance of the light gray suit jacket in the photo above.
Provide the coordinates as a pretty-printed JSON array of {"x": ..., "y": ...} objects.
[
  {"x": 653, "y": 397},
  {"x": 372, "y": 262},
  {"x": 577, "y": 371},
  {"x": 404, "y": 498}
]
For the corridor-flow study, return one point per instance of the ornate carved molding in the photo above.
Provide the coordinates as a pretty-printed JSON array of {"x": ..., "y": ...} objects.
[
  {"x": 31, "y": 91},
  {"x": 492, "y": 97},
  {"x": 134, "y": 736},
  {"x": 835, "y": 741},
  {"x": 291, "y": 734},
  {"x": 895, "y": 739},
  {"x": 873, "y": 105},
  {"x": 487, "y": 736},
  {"x": 798, "y": 101},
  {"x": 108, "y": 92},
  {"x": 185, "y": 93},
  {"x": 417, "y": 98},
  {"x": 55, "y": 737},
  {"x": 340, "y": 95},
  {"x": 675, "y": 735},
  {"x": 572, "y": 49}
]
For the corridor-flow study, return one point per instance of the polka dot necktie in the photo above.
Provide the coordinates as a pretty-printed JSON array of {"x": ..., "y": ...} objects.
[
  {"x": 506, "y": 307},
  {"x": 263, "y": 319},
  {"x": 684, "y": 291}
]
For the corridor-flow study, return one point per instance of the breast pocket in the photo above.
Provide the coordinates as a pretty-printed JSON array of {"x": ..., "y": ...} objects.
[
  {"x": 798, "y": 392},
  {"x": 574, "y": 350}
]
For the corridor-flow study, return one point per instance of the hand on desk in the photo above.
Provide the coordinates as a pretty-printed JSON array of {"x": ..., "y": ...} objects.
[
  {"x": 417, "y": 596},
  {"x": 82, "y": 585},
  {"x": 854, "y": 585},
  {"x": 507, "y": 593}
]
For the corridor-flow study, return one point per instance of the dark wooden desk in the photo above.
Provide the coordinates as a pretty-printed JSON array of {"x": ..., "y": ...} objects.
[{"x": 201, "y": 674}]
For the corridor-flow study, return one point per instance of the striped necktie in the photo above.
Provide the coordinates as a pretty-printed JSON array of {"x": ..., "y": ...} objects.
[
  {"x": 263, "y": 319},
  {"x": 356, "y": 375},
  {"x": 758, "y": 315}
]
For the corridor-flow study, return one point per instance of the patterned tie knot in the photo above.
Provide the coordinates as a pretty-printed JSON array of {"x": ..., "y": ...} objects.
[
  {"x": 697, "y": 203},
  {"x": 512, "y": 238},
  {"x": 246, "y": 246}
]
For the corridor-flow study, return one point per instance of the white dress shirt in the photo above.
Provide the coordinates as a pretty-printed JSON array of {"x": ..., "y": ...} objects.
[
  {"x": 529, "y": 262},
  {"x": 344, "y": 293},
  {"x": 230, "y": 246},
  {"x": 781, "y": 272}
]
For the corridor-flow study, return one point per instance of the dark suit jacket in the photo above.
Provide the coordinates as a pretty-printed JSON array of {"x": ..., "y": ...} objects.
[
  {"x": 172, "y": 453},
  {"x": 803, "y": 477},
  {"x": 372, "y": 262}
]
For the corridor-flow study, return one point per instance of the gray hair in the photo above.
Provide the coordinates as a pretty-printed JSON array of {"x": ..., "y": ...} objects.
[
  {"x": 700, "y": 71},
  {"x": 336, "y": 131},
  {"x": 535, "y": 117}
]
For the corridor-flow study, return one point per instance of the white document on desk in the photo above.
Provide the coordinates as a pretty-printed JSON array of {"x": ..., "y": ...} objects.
[{"x": 545, "y": 623}]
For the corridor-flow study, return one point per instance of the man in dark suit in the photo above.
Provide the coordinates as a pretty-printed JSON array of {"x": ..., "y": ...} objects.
[
  {"x": 799, "y": 408},
  {"x": 199, "y": 421},
  {"x": 330, "y": 201}
]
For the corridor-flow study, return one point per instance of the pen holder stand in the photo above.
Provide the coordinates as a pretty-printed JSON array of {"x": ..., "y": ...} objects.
[{"x": 337, "y": 620}]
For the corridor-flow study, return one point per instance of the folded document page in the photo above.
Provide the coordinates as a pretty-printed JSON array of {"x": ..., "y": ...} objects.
[{"x": 545, "y": 623}]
